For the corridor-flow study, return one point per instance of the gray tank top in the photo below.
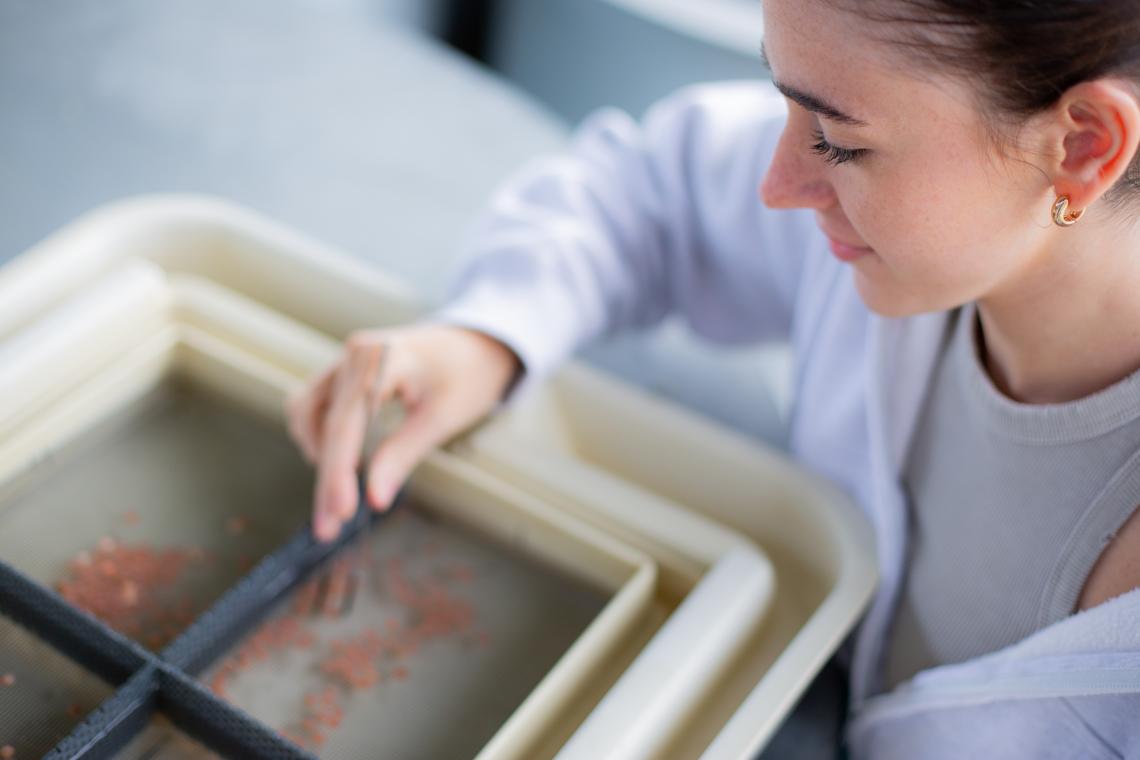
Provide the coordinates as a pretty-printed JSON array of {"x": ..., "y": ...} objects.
[{"x": 1011, "y": 504}]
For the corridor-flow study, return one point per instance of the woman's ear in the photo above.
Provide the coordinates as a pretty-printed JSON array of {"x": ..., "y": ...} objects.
[{"x": 1095, "y": 134}]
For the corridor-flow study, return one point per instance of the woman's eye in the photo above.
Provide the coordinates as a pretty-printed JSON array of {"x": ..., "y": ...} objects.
[{"x": 833, "y": 154}]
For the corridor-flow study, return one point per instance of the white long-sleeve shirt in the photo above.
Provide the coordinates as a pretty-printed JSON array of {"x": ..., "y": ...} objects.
[{"x": 639, "y": 221}]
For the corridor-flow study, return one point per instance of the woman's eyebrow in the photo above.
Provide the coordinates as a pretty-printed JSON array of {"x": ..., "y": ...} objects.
[{"x": 809, "y": 101}]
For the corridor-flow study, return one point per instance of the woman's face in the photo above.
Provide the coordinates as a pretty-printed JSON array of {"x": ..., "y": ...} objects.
[{"x": 946, "y": 218}]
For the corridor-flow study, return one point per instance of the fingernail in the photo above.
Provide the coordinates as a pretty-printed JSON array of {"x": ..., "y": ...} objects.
[
  {"x": 381, "y": 496},
  {"x": 324, "y": 528}
]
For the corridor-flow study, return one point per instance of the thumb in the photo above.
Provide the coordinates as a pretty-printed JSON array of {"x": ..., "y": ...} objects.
[{"x": 395, "y": 458}]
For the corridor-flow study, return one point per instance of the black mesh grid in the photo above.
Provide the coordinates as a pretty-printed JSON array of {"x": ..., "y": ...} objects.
[{"x": 163, "y": 684}]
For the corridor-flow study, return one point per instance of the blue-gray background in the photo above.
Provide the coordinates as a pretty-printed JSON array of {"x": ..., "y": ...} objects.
[{"x": 352, "y": 121}]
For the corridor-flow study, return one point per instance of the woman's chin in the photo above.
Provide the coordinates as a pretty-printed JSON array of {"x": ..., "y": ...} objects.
[{"x": 884, "y": 299}]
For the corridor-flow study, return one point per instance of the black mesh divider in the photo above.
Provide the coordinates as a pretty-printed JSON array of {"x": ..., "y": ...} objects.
[
  {"x": 212, "y": 727},
  {"x": 236, "y": 613},
  {"x": 112, "y": 724},
  {"x": 81, "y": 637},
  {"x": 221, "y": 727}
]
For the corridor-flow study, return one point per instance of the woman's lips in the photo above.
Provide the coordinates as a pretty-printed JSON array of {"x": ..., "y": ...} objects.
[{"x": 845, "y": 251}]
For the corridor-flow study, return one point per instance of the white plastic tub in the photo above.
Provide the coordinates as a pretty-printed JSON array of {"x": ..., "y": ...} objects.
[{"x": 452, "y": 489}]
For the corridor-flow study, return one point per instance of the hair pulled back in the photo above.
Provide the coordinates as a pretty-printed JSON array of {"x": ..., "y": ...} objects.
[{"x": 1024, "y": 53}]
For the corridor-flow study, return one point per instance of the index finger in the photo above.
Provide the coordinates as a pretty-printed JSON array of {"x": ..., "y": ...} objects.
[{"x": 343, "y": 440}]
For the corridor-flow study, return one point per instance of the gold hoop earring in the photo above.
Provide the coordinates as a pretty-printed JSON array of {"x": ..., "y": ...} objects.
[{"x": 1060, "y": 216}]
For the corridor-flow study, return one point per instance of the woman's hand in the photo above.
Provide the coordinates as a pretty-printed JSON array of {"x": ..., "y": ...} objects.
[{"x": 446, "y": 378}]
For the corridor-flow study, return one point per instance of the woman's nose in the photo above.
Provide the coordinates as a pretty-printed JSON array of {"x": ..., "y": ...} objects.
[{"x": 795, "y": 178}]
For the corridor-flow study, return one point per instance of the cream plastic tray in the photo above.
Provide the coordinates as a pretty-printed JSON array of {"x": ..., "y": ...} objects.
[
  {"x": 712, "y": 496},
  {"x": 444, "y": 483}
]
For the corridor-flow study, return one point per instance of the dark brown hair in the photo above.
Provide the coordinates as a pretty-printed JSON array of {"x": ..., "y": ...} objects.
[{"x": 1025, "y": 53}]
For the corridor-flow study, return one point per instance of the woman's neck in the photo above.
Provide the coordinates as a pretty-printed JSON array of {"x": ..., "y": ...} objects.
[{"x": 1068, "y": 325}]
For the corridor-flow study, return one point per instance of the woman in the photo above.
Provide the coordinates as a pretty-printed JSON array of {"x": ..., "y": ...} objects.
[{"x": 949, "y": 238}]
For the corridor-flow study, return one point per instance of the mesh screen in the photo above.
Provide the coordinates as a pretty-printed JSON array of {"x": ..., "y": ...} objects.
[
  {"x": 149, "y": 517},
  {"x": 182, "y": 518},
  {"x": 415, "y": 624},
  {"x": 162, "y": 740},
  {"x": 43, "y": 694}
]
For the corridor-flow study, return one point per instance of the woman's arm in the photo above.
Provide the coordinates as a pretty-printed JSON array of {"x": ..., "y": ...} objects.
[{"x": 636, "y": 222}]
